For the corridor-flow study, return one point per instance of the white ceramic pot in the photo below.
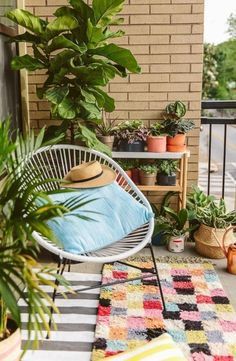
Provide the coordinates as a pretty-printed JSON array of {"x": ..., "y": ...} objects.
[
  {"x": 176, "y": 244},
  {"x": 10, "y": 348}
]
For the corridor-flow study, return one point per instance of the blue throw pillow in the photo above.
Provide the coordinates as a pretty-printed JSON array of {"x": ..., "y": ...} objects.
[{"x": 113, "y": 215}]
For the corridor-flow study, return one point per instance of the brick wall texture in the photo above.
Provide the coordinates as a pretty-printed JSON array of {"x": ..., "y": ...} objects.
[{"x": 166, "y": 36}]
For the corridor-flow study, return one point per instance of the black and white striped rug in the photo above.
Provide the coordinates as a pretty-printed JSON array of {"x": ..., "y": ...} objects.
[{"x": 75, "y": 324}]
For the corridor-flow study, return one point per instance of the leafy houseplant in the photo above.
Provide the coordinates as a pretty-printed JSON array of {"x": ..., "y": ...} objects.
[
  {"x": 131, "y": 136},
  {"x": 176, "y": 127},
  {"x": 75, "y": 51},
  {"x": 147, "y": 174},
  {"x": 173, "y": 227},
  {"x": 166, "y": 173},
  {"x": 156, "y": 140},
  {"x": 214, "y": 220},
  {"x": 20, "y": 214},
  {"x": 127, "y": 166},
  {"x": 105, "y": 131}
]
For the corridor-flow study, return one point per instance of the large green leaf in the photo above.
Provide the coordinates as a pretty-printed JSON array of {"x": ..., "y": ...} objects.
[
  {"x": 26, "y": 62},
  {"x": 109, "y": 103},
  {"x": 56, "y": 95},
  {"x": 105, "y": 10},
  {"x": 27, "y": 20},
  {"x": 92, "y": 112},
  {"x": 26, "y": 37},
  {"x": 61, "y": 42},
  {"x": 84, "y": 10},
  {"x": 67, "y": 109},
  {"x": 96, "y": 34},
  {"x": 63, "y": 23},
  {"x": 93, "y": 75},
  {"x": 119, "y": 55},
  {"x": 61, "y": 59}
]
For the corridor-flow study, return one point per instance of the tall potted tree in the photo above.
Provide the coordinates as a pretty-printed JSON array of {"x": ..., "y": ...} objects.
[
  {"x": 75, "y": 51},
  {"x": 21, "y": 213}
]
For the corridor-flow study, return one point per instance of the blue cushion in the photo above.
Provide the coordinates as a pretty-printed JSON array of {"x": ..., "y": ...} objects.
[{"x": 114, "y": 213}]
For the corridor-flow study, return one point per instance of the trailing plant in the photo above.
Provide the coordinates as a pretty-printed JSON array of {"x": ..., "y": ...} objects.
[
  {"x": 167, "y": 166},
  {"x": 24, "y": 208},
  {"x": 131, "y": 131},
  {"x": 75, "y": 51},
  {"x": 174, "y": 124},
  {"x": 157, "y": 129},
  {"x": 148, "y": 168}
]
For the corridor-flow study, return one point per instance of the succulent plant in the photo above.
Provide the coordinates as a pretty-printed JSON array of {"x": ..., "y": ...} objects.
[{"x": 148, "y": 168}]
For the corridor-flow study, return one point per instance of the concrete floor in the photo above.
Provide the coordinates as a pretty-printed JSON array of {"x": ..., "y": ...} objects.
[{"x": 228, "y": 280}]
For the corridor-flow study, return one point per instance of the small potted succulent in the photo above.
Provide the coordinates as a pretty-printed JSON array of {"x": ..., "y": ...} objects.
[
  {"x": 176, "y": 127},
  {"x": 156, "y": 140},
  {"x": 131, "y": 136},
  {"x": 105, "y": 131},
  {"x": 147, "y": 174},
  {"x": 166, "y": 172}
]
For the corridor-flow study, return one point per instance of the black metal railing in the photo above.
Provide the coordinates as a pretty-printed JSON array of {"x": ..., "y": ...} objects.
[{"x": 211, "y": 121}]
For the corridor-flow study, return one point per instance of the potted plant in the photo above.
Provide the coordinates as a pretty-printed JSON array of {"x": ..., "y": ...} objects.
[
  {"x": 105, "y": 131},
  {"x": 21, "y": 213},
  {"x": 158, "y": 237},
  {"x": 173, "y": 227},
  {"x": 166, "y": 172},
  {"x": 197, "y": 199},
  {"x": 76, "y": 52},
  {"x": 156, "y": 140},
  {"x": 131, "y": 136},
  {"x": 147, "y": 174},
  {"x": 214, "y": 220},
  {"x": 176, "y": 127}
]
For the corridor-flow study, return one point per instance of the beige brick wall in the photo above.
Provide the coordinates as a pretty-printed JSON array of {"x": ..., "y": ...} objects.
[{"x": 166, "y": 37}]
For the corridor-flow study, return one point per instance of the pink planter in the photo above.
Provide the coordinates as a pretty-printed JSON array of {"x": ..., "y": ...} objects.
[{"x": 156, "y": 144}]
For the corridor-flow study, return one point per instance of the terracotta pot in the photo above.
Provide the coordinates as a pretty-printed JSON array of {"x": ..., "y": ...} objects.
[
  {"x": 147, "y": 179},
  {"x": 176, "y": 148},
  {"x": 156, "y": 144},
  {"x": 135, "y": 175},
  {"x": 107, "y": 139},
  {"x": 166, "y": 180},
  {"x": 10, "y": 348},
  {"x": 206, "y": 243},
  {"x": 121, "y": 180},
  {"x": 178, "y": 139}
]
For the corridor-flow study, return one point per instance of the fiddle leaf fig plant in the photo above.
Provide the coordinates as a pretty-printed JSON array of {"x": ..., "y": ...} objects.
[{"x": 73, "y": 50}]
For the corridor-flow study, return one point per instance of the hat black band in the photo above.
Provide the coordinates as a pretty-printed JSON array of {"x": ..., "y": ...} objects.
[{"x": 89, "y": 179}]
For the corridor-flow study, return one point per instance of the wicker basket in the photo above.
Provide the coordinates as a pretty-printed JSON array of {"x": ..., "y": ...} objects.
[{"x": 206, "y": 243}]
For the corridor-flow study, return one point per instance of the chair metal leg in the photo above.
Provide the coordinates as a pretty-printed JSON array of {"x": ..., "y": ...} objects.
[
  {"x": 60, "y": 269},
  {"x": 157, "y": 276}
]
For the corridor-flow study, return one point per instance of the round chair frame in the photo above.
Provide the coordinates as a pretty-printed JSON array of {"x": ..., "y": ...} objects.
[{"x": 55, "y": 162}]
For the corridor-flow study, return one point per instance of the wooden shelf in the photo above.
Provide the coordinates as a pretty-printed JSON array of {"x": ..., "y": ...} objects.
[
  {"x": 150, "y": 155},
  {"x": 157, "y": 188}
]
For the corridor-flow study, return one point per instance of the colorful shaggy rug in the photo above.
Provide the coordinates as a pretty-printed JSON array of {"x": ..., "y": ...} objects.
[{"x": 198, "y": 313}]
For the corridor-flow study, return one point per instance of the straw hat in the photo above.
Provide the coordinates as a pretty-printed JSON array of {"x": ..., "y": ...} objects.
[{"x": 89, "y": 175}]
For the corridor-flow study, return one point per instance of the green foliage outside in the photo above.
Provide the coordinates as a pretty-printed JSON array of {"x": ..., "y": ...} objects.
[{"x": 219, "y": 71}]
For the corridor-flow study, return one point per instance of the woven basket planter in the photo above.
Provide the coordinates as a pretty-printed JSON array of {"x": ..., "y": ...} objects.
[{"x": 206, "y": 243}]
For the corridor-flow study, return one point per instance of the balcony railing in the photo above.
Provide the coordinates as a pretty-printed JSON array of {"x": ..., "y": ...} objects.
[{"x": 224, "y": 147}]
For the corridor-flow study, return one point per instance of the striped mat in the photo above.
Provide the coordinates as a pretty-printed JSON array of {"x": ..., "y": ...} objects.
[{"x": 75, "y": 323}]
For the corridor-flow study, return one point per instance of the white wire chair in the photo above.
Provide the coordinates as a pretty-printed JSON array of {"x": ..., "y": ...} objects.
[{"x": 55, "y": 162}]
